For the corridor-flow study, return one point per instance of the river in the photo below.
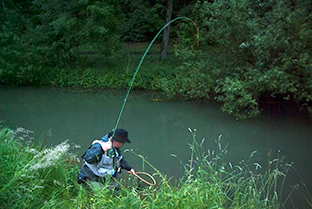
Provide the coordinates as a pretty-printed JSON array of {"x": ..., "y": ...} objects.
[{"x": 157, "y": 127}]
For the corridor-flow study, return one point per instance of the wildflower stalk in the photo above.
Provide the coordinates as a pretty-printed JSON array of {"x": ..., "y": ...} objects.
[{"x": 193, "y": 149}]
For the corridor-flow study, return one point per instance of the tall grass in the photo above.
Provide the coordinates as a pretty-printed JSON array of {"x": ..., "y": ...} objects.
[
  {"x": 32, "y": 177},
  {"x": 36, "y": 177}
]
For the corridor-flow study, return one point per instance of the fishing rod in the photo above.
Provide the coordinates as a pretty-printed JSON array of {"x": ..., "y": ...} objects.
[
  {"x": 132, "y": 81},
  {"x": 142, "y": 59}
]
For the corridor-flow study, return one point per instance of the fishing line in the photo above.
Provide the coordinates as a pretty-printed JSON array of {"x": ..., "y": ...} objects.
[{"x": 137, "y": 70}]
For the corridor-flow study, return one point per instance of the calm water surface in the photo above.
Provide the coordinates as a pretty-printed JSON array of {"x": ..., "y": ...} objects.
[{"x": 157, "y": 129}]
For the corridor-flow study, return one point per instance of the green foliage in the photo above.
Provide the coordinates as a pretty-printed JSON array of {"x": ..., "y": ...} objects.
[
  {"x": 13, "y": 49},
  {"x": 188, "y": 80},
  {"x": 39, "y": 34},
  {"x": 247, "y": 184},
  {"x": 247, "y": 48},
  {"x": 63, "y": 28},
  {"x": 144, "y": 19},
  {"x": 237, "y": 98},
  {"x": 267, "y": 44},
  {"x": 32, "y": 177}
]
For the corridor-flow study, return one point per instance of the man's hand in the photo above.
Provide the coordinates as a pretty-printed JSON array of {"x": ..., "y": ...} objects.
[
  {"x": 132, "y": 171},
  {"x": 105, "y": 145}
]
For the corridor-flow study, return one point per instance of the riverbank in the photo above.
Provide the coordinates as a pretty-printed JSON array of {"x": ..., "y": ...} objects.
[
  {"x": 185, "y": 74},
  {"x": 36, "y": 177}
]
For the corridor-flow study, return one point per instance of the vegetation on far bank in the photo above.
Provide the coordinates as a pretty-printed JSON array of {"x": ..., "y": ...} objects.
[
  {"x": 251, "y": 53},
  {"x": 36, "y": 177}
]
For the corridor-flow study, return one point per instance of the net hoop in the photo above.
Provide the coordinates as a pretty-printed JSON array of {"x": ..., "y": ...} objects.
[{"x": 147, "y": 174}]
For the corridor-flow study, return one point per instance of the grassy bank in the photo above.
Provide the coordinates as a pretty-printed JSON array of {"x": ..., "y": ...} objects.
[
  {"x": 36, "y": 177},
  {"x": 115, "y": 71}
]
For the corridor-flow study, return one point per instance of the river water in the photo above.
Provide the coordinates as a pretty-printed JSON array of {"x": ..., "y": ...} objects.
[{"x": 157, "y": 128}]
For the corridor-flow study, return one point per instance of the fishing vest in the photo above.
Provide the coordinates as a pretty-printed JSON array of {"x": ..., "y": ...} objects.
[{"x": 105, "y": 167}]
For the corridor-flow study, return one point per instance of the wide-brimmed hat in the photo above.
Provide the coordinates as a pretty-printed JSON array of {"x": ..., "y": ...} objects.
[{"x": 121, "y": 135}]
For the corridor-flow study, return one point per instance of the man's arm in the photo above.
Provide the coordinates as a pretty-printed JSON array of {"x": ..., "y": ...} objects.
[
  {"x": 94, "y": 154},
  {"x": 125, "y": 165}
]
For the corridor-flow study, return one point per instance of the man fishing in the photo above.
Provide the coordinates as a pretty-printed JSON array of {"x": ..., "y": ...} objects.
[{"x": 103, "y": 159}]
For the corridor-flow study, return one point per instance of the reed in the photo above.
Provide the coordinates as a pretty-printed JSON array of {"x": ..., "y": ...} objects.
[{"x": 36, "y": 177}]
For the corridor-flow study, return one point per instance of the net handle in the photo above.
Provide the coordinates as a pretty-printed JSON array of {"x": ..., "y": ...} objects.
[{"x": 149, "y": 175}]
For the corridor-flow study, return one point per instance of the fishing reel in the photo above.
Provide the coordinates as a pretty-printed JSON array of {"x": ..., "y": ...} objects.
[{"x": 111, "y": 153}]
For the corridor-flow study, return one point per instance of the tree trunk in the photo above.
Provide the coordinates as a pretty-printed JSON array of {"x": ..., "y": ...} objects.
[{"x": 166, "y": 31}]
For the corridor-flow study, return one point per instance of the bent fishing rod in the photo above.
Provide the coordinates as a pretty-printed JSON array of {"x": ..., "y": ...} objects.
[
  {"x": 142, "y": 59},
  {"x": 132, "y": 81}
]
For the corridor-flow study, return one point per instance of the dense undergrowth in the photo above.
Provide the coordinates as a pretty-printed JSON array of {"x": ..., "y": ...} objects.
[{"x": 36, "y": 177}]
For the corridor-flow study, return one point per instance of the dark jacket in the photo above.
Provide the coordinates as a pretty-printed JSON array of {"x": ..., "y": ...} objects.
[
  {"x": 98, "y": 164},
  {"x": 95, "y": 154}
]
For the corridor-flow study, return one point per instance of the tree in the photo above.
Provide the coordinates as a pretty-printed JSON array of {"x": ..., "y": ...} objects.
[
  {"x": 64, "y": 27},
  {"x": 13, "y": 46},
  {"x": 41, "y": 33},
  {"x": 166, "y": 31},
  {"x": 264, "y": 48},
  {"x": 144, "y": 19}
]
